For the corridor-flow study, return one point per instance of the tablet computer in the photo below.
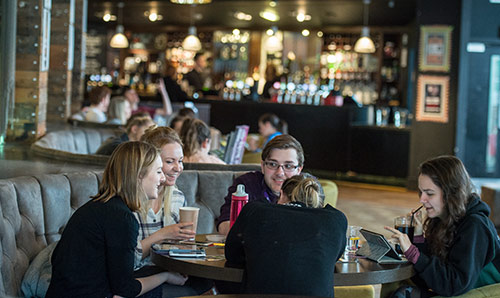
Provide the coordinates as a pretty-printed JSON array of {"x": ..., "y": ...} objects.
[{"x": 378, "y": 249}]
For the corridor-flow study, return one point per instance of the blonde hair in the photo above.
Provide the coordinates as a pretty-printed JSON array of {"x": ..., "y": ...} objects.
[
  {"x": 193, "y": 133},
  {"x": 129, "y": 162},
  {"x": 305, "y": 189},
  {"x": 116, "y": 109},
  {"x": 158, "y": 137}
]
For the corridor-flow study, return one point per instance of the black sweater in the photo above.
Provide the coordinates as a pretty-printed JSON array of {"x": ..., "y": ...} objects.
[
  {"x": 95, "y": 256},
  {"x": 476, "y": 245},
  {"x": 287, "y": 250}
]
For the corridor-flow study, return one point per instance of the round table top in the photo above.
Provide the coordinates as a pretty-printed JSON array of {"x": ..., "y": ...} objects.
[{"x": 360, "y": 272}]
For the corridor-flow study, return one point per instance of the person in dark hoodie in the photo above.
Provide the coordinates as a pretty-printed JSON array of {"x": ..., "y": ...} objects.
[{"x": 459, "y": 249}]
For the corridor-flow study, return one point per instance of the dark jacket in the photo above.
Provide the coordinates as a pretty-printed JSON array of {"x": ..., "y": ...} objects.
[
  {"x": 255, "y": 187},
  {"x": 95, "y": 256},
  {"x": 474, "y": 252},
  {"x": 286, "y": 249}
]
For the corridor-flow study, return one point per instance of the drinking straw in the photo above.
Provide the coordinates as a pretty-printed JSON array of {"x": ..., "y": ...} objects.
[{"x": 413, "y": 214}]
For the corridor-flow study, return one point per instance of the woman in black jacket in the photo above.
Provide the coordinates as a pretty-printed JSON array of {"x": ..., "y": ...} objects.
[
  {"x": 460, "y": 249},
  {"x": 291, "y": 247}
]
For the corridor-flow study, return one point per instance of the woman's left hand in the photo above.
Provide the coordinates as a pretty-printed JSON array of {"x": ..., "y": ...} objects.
[{"x": 401, "y": 238}]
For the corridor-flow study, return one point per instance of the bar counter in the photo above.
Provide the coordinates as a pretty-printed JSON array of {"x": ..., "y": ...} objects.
[{"x": 331, "y": 136}]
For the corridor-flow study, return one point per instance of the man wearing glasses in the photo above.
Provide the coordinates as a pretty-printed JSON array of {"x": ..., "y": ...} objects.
[{"x": 282, "y": 158}]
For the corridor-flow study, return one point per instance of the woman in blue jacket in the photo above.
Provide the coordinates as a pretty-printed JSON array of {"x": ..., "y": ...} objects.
[{"x": 460, "y": 249}]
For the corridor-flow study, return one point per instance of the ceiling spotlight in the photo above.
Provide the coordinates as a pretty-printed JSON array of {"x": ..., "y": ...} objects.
[
  {"x": 236, "y": 32},
  {"x": 269, "y": 32},
  {"x": 242, "y": 16},
  {"x": 272, "y": 3},
  {"x": 269, "y": 15},
  {"x": 320, "y": 34},
  {"x": 305, "y": 32},
  {"x": 153, "y": 17},
  {"x": 301, "y": 17},
  {"x": 106, "y": 17}
]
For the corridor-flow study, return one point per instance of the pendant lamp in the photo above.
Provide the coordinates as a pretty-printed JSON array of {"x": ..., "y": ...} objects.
[
  {"x": 119, "y": 40},
  {"x": 191, "y": 42},
  {"x": 365, "y": 44}
]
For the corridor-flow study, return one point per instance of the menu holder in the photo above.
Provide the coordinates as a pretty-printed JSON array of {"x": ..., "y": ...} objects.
[
  {"x": 378, "y": 249},
  {"x": 236, "y": 145}
]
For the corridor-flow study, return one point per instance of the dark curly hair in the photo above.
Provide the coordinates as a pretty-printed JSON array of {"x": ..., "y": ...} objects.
[{"x": 449, "y": 174}]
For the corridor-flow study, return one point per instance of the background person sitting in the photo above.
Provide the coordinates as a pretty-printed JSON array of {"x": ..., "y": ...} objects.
[
  {"x": 95, "y": 255},
  {"x": 119, "y": 110},
  {"x": 290, "y": 247},
  {"x": 135, "y": 129},
  {"x": 460, "y": 248},
  {"x": 196, "y": 137},
  {"x": 283, "y": 157},
  {"x": 99, "y": 102},
  {"x": 270, "y": 126},
  {"x": 182, "y": 114}
]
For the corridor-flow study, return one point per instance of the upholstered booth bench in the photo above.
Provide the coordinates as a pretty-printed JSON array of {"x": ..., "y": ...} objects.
[
  {"x": 34, "y": 211},
  {"x": 74, "y": 145}
]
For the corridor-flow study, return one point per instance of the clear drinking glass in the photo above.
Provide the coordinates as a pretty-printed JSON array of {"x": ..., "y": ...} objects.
[{"x": 352, "y": 243}]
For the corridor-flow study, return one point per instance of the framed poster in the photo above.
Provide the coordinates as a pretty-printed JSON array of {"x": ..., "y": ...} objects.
[
  {"x": 435, "y": 48},
  {"x": 432, "y": 98}
]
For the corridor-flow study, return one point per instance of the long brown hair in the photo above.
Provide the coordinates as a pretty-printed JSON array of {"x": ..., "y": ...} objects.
[
  {"x": 449, "y": 174},
  {"x": 193, "y": 133},
  {"x": 129, "y": 162}
]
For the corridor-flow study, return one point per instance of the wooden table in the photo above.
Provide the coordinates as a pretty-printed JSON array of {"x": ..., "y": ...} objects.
[{"x": 363, "y": 272}]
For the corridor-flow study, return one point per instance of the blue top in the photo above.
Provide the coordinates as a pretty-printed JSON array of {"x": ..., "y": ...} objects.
[{"x": 269, "y": 138}]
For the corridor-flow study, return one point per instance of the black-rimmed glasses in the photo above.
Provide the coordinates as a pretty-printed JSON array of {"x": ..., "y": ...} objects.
[{"x": 287, "y": 167}]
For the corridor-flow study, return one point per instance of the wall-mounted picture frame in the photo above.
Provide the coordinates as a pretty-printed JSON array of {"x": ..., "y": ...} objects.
[
  {"x": 435, "y": 48},
  {"x": 432, "y": 98}
]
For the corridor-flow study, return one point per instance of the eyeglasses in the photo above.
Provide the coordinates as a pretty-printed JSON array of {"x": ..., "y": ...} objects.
[{"x": 287, "y": 167}]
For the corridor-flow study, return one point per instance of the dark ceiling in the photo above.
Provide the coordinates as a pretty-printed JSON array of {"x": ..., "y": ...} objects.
[{"x": 219, "y": 14}]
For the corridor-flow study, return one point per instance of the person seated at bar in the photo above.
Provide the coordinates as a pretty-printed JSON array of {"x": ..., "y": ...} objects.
[
  {"x": 196, "y": 137},
  {"x": 119, "y": 111},
  {"x": 99, "y": 102},
  {"x": 171, "y": 86},
  {"x": 290, "y": 248},
  {"x": 159, "y": 219},
  {"x": 135, "y": 127},
  {"x": 270, "y": 126},
  {"x": 182, "y": 114},
  {"x": 95, "y": 256},
  {"x": 459, "y": 249},
  {"x": 283, "y": 157}
]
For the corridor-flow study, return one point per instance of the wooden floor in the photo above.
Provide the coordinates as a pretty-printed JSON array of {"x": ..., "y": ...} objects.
[{"x": 374, "y": 206}]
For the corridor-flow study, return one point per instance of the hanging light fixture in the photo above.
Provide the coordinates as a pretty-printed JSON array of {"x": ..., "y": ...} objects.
[
  {"x": 365, "y": 44},
  {"x": 191, "y": 42},
  {"x": 119, "y": 40}
]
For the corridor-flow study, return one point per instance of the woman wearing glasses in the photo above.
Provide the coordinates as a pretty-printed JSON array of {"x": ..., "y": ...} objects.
[
  {"x": 289, "y": 248},
  {"x": 282, "y": 158}
]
